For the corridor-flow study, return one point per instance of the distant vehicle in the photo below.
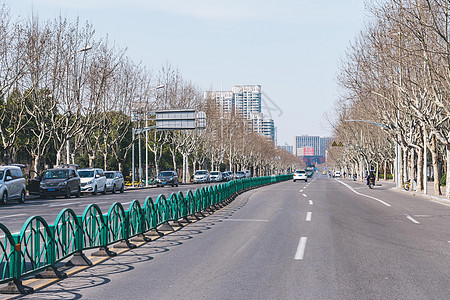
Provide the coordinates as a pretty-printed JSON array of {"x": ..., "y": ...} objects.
[
  {"x": 300, "y": 175},
  {"x": 240, "y": 175},
  {"x": 216, "y": 176},
  {"x": 59, "y": 181},
  {"x": 12, "y": 184},
  {"x": 247, "y": 173},
  {"x": 166, "y": 178},
  {"x": 92, "y": 181},
  {"x": 114, "y": 181},
  {"x": 337, "y": 174},
  {"x": 227, "y": 175},
  {"x": 201, "y": 176}
]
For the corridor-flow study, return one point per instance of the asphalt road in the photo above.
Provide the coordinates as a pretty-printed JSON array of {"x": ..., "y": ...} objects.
[
  {"x": 325, "y": 239},
  {"x": 14, "y": 214}
]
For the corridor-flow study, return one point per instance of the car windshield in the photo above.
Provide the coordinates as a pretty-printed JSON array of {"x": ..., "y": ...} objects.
[
  {"x": 215, "y": 173},
  {"x": 165, "y": 174},
  {"x": 86, "y": 174},
  {"x": 240, "y": 173},
  {"x": 300, "y": 172},
  {"x": 109, "y": 175},
  {"x": 201, "y": 173},
  {"x": 53, "y": 174}
]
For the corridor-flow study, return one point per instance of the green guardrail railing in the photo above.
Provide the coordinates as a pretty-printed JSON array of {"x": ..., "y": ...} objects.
[{"x": 40, "y": 246}]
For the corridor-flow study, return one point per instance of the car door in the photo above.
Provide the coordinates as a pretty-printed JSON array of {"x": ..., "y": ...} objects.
[
  {"x": 9, "y": 182},
  {"x": 34, "y": 183}
]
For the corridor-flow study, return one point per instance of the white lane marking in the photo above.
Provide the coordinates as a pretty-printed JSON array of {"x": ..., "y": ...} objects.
[
  {"x": 301, "y": 248},
  {"x": 304, "y": 195},
  {"x": 423, "y": 216},
  {"x": 125, "y": 203},
  {"x": 12, "y": 216},
  {"x": 308, "y": 216},
  {"x": 301, "y": 191},
  {"x": 411, "y": 219},
  {"x": 245, "y": 220},
  {"x": 64, "y": 204},
  {"x": 310, "y": 202},
  {"x": 358, "y": 193}
]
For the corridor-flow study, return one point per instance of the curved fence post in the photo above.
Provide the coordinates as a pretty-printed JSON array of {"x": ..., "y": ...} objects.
[
  {"x": 118, "y": 224},
  {"x": 95, "y": 231},
  {"x": 163, "y": 208}
]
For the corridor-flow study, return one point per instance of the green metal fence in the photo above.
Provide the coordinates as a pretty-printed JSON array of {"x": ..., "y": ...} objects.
[{"x": 40, "y": 245}]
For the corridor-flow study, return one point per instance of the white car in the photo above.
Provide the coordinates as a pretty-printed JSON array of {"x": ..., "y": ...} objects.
[
  {"x": 300, "y": 175},
  {"x": 114, "y": 181},
  {"x": 92, "y": 181},
  {"x": 337, "y": 174},
  {"x": 216, "y": 176},
  {"x": 201, "y": 176},
  {"x": 12, "y": 184}
]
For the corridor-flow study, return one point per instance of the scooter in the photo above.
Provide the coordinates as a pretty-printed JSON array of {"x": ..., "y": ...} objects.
[{"x": 371, "y": 183}]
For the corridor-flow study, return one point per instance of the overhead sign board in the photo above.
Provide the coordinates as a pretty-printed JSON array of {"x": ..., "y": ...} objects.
[{"x": 180, "y": 119}]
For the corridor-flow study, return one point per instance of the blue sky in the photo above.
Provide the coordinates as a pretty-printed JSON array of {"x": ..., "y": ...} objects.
[{"x": 291, "y": 48}]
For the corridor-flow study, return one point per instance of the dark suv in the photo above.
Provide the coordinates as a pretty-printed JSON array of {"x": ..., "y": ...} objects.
[
  {"x": 56, "y": 182},
  {"x": 166, "y": 178}
]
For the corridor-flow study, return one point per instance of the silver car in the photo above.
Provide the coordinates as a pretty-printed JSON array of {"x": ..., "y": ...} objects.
[
  {"x": 12, "y": 184},
  {"x": 114, "y": 181}
]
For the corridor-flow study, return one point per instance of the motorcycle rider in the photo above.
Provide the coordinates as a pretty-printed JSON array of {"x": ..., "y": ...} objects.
[{"x": 371, "y": 176}]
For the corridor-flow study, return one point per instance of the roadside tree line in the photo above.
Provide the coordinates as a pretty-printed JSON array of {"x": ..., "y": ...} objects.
[
  {"x": 397, "y": 73},
  {"x": 62, "y": 88}
]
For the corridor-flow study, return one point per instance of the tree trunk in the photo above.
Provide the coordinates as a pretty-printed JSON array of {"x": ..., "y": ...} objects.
[
  {"x": 91, "y": 160},
  {"x": 420, "y": 170},
  {"x": 411, "y": 169},
  {"x": 447, "y": 177},
  {"x": 434, "y": 159},
  {"x": 58, "y": 157}
]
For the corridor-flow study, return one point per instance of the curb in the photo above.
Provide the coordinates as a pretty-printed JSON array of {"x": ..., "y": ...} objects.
[{"x": 428, "y": 197}]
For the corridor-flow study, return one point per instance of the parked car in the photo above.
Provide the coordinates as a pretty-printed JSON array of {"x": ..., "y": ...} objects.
[
  {"x": 59, "y": 181},
  {"x": 337, "y": 174},
  {"x": 166, "y": 178},
  {"x": 247, "y": 173},
  {"x": 216, "y": 176},
  {"x": 114, "y": 181},
  {"x": 300, "y": 175},
  {"x": 240, "y": 175},
  {"x": 201, "y": 176},
  {"x": 12, "y": 184},
  {"x": 92, "y": 181},
  {"x": 227, "y": 175}
]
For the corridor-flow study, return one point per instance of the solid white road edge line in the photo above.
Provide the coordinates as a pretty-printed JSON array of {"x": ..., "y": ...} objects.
[
  {"x": 358, "y": 193},
  {"x": 64, "y": 204},
  {"x": 244, "y": 220},
  {"x": 411, "y": 219},
  {"x": 301, "y": 249},
  {"x": 308, "y": 216}
]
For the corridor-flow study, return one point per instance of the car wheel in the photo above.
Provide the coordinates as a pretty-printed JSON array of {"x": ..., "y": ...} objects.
[
  {"x": 123, "y": 188},
  {"x": 114, "y": 189},
  {"x": 22, "y": 197},
  {"x": 306, "y": 180},
  {"x": 176, "y": 185},
  {"x": 78, "y": 194},
  {"x": 95, "y": 191},
  {"x": 173, "y": 185},
  {"x": 104, "y": 190},
  {"x": 295, "y": 180},
  {"x": 67, "y": 193},
  {"x": 5, "y": 198}
]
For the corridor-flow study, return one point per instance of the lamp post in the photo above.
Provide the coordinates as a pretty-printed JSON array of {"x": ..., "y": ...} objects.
[
  {"x": 396, "y": 164},
  {"x": 67, "y": 137}
]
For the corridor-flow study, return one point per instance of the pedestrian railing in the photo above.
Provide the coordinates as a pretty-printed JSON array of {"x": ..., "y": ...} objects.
[{"x": 40, "y": 246}]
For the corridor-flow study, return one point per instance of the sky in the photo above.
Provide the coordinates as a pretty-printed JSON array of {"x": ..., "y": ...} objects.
[{"x": 292, "y": 48}]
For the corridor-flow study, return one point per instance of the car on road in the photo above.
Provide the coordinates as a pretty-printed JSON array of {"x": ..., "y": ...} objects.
[
  {"x": 300, "y": 175},
  {"x": 114, "y": 181},
  {"x": 93, "y": 181},
  {"x": 247, "y": 173},
  {"x": 216, "y": 176},
  {"x": 337, "y": 174},
  {"x": 12, "y": 184},
  {"x": 201, "y": 176},
  {"x": 240, "y": 175},
  {"x": 166, "y": 178},
  {"x": 227, "y": 175},
  {"x": 59, "y": 182}
]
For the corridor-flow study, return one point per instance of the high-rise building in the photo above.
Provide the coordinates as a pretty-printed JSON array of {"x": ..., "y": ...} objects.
[
  {"x": 287, "y": 148},
  {"x": 325, "y": 144},
  {"x": 246, "y": 100},
  {"x": 306, "y": 141},
  {"x": 263, "y": 125}
]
